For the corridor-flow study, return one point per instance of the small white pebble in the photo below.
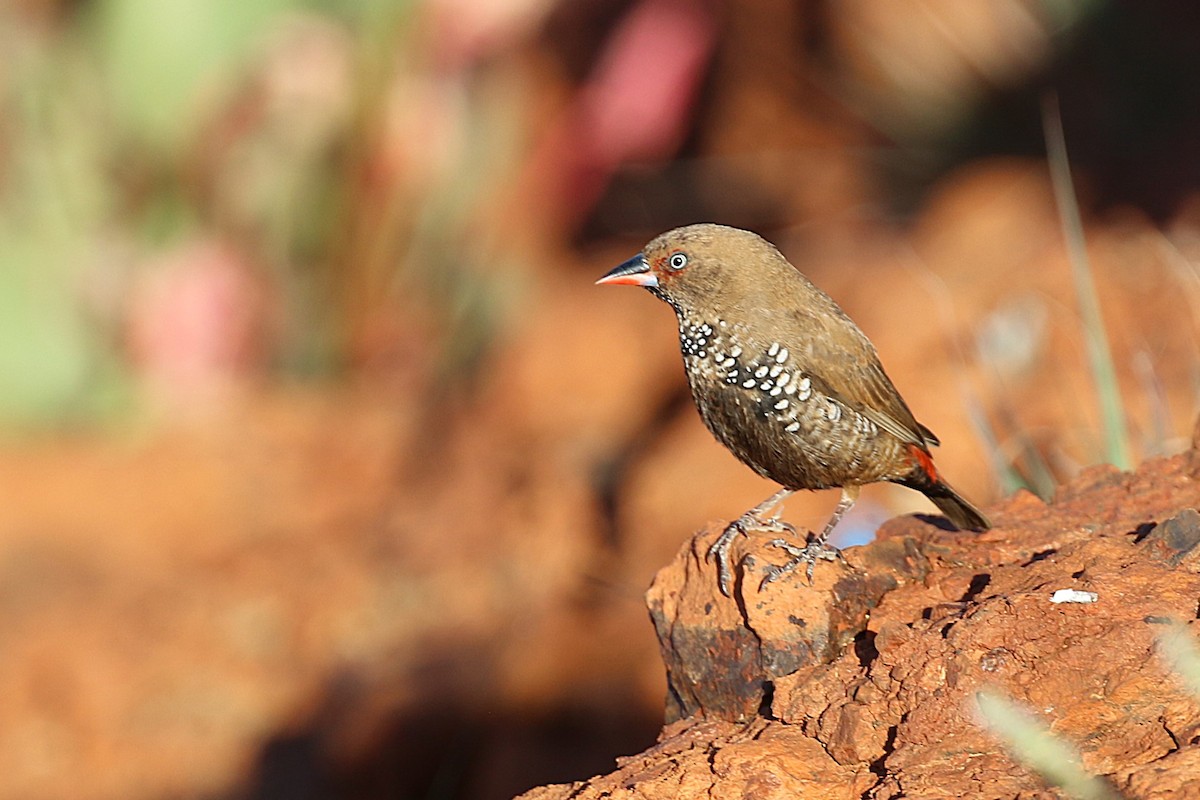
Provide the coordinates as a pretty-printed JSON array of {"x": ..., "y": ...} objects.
[{"x": 1073, "y": 596}]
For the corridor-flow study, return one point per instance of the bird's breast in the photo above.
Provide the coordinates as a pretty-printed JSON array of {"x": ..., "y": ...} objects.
[{"x": 760, "y": 401}]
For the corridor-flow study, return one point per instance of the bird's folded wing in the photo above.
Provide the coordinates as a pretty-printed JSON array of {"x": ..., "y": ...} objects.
[
  {"x": 873, "y": 395},
  {"x": 852, "y": 374}
]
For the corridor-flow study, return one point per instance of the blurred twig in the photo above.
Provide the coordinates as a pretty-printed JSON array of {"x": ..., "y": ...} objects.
[{"x": 1099, "y": 354}]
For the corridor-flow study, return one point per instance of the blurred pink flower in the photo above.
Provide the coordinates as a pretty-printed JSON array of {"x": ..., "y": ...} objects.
[
  {"x": 193, "y": 321},
  {"x": 636, "y": 103}
]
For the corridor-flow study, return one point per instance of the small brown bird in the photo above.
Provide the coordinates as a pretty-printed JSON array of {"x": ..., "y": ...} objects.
[{"x": 785, "y": 380}]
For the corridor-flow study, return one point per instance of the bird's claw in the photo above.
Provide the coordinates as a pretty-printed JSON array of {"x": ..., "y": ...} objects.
[
  {"x": 740, "y": 526},
  {"x": 809, "y": 554},
  {"x": 720, "y": 550},
  {"x": 776, "y": 525}
]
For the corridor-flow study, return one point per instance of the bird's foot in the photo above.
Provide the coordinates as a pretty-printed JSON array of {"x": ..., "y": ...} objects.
[
  {"x": 740, "y": 526},
  {"x": 814, "y": 550}
]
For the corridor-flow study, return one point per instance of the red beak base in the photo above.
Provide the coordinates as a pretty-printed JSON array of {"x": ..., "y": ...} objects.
[{"x": 634, "y": 272}]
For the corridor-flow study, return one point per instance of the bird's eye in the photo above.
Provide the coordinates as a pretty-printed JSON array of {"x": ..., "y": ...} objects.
[{"x": 677, "y": 261}]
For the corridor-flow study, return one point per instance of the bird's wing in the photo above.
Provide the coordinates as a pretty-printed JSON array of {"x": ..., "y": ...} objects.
[
  {"x": 876, "y": 398},
  {"x": 872, "y": 395},
  {"x": 852, "y": 374},
  {"x": 855, "y": 377},
  {"x": 931, "y": 438}
]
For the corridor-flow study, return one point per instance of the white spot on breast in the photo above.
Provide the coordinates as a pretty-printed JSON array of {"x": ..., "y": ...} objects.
[
  {"x": 761, "y": 372},
  {"x": 775, "y": 370},
  {"x": 776, "y": 391},
  {"x": 792, "y": 427},
  {"x": 781, "y": 405},
  {"x": 804, "y": 390},
  {"x": 735, "y": 351},
  {"x": 749, "y": 384},
  {"x": 834, "y": 411},
  {"x": 773, "y": 349},
  {"x": 782, "y": 355}
]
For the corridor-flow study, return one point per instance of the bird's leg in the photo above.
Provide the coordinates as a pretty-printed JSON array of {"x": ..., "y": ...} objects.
[
  {"x": 751, "y": 520},
  {"x": 816, "y": 548}
]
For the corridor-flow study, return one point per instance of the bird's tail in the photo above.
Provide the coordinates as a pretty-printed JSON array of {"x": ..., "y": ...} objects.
[
  {"x": 959, "y": 510},
  {"x": 925, "y": 479}
]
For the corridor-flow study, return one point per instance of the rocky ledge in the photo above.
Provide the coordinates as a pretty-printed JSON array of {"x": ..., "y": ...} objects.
[{"x": 864, "y": 685}]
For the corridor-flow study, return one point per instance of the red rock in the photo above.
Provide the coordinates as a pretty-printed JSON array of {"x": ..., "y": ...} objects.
[{"x": 864, "y": 684}]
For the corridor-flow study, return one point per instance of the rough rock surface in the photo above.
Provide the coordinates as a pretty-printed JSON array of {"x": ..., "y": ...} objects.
[{"x": 864, "y": 684}]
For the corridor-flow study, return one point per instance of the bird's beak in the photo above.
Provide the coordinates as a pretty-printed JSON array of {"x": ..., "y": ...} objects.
[{"x": 634, "y": 272}]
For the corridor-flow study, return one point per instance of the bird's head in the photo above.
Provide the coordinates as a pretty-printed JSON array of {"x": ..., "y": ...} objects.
[{"x": 708, "y": 270}]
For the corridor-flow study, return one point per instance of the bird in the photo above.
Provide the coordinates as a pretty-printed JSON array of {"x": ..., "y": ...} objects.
[{"x": 783, "y": 378}]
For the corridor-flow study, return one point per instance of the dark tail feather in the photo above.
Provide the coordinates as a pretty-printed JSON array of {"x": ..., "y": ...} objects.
[
  {"x": 964, "y": 515},
  {"x": 925, "y": 479}
]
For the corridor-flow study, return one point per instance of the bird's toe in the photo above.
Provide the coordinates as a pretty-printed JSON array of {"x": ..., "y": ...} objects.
[
  {"x": 808, "y": 555},
  {"x": 719, "y": 550}
]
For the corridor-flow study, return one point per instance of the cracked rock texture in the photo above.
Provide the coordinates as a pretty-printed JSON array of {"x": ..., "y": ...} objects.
[{"x": 863, "y": 685}]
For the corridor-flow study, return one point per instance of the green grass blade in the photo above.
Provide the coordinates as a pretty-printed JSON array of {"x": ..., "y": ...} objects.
[
  {"x": 1180, "y": 649},
  {"x": 1104, "y": 375},
  {"x": 1034, "y": 747}
]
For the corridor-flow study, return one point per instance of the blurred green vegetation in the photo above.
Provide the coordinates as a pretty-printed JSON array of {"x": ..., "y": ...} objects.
[{"x": 130, "y": 129}]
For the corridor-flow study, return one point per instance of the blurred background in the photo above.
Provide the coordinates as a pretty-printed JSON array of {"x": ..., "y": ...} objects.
[{"x": 326, "y": 472}]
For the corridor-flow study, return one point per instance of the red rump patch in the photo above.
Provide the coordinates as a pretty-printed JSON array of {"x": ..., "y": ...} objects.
[{"x": 924, "y": 461}]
